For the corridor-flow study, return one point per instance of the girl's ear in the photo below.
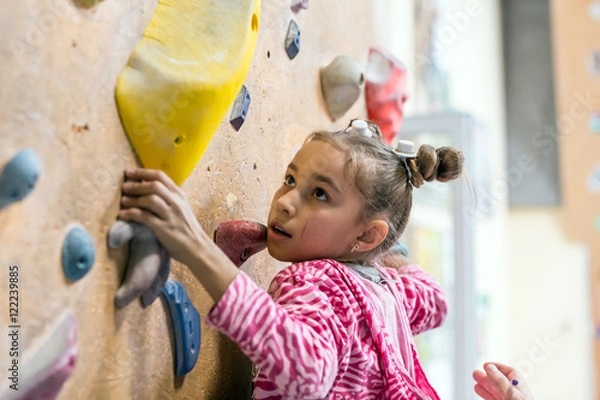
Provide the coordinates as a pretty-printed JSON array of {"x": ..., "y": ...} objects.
[{"x": 375, "y": 232}]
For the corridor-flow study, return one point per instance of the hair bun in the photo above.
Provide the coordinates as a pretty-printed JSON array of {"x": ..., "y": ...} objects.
[{"x": 443, "y": 164}]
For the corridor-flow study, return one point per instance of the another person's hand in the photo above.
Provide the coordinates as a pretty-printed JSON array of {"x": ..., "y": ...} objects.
[
  {"x": 500, "y": 382},
  {"x": 153, "y": 199}
]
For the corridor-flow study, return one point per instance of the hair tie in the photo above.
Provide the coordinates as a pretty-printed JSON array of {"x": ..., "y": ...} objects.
[{"x": 406, "y": 149}]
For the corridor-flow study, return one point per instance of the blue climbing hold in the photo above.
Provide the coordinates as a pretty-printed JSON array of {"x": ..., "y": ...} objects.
[
  {"x": 19, "y": 177},
  {"x": 292, "y": 40},
  {"x": 240, "y": 108},
  {"x": 186, "y": 326},
  {"x": 78, "y": 254}
]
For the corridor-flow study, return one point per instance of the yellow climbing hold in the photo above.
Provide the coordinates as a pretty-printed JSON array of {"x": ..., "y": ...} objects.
[{"x": 182, "y": 78}]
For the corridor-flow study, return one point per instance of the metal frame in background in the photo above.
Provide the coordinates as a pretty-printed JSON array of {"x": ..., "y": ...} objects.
[{"x": 460, "y": 127}]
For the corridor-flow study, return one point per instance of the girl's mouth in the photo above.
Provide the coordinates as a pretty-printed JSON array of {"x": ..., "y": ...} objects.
[{"x": 278, "y": 230}]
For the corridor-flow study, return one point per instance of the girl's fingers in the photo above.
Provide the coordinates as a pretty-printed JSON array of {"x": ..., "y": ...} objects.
[
  {"x": 483, "y": 380},
  {"x": 138, "y": 215},
  {"x": 498, "y": 378},
  {"x": 152, "y": 203},
  {"x": 140, "y": 188},
  {"x": 506, "y": 370},
  {"x": 483, "y": 392},
  {"x": 142, "y": 174}
]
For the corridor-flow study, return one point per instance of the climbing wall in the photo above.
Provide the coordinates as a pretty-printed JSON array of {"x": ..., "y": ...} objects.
[{"x": 60, "y": 63}]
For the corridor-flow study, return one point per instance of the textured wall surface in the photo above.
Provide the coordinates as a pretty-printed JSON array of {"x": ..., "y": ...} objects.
[{"x": 58, "y": 69}]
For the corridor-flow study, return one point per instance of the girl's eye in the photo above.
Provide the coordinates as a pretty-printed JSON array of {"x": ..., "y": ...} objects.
[
  {"x": 320, "y": 194},
  {"x": 289, "y": 181}
]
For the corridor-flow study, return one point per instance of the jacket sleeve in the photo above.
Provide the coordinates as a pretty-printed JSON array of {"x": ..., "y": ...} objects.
[
  {"x": 295, "y": 337},
  {"x": 424, "y": 299}
]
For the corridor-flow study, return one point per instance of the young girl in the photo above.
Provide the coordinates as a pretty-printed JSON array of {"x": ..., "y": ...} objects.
[{"x": 335, "y": 323}]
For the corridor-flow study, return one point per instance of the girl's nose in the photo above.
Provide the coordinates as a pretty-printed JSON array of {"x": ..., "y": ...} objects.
[{"x": 288, "y": 203}]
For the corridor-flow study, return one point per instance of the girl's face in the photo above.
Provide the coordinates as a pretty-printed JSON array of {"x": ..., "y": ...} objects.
[{"x": 315, "y": 213}]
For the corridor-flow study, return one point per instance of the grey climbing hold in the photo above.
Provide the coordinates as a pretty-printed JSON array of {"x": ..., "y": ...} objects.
[
  {"x": 149, "y": 263},
  {"x": 19, "y": 177},
  {"x": 342, "y": 83},
  {"x": 122, "y": 232},
  {"x": 240, "y": 108},
  {"x": 160, "y": 279},
  {"x": 144, "y": 264},
  {"x": 292, "y": 40},
  {"x": 78, "y": 254}
]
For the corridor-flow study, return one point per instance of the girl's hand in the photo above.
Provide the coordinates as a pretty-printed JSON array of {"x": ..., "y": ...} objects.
[
  {"x": 153, "y": 199},
  {"x": 496, "y": 383}
]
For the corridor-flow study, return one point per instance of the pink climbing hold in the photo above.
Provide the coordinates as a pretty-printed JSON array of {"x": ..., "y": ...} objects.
[
  {"x": 48, "y": 366},
  {"x": 50, "y": 387},
  {"x": 240, "y": 239},
  {"x": 298, "y": 5},
  {"x": 385, "y": 92}
]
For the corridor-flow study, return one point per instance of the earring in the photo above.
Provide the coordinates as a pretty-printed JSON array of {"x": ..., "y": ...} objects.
[{"x": 354, "y": 248}]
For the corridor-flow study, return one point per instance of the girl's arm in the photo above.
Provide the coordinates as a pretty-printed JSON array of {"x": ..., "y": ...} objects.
[
  {"x": 423, "y": 297},
  {"x": 295, "y": 342},
  {"x": 295, "y": 337}
]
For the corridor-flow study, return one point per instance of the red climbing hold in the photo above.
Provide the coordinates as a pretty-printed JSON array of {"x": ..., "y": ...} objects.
[{"x": 385, "y": 92}]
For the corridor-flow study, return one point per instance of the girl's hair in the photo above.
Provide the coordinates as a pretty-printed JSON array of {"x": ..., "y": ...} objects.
[{"x": 381, "y": 175}]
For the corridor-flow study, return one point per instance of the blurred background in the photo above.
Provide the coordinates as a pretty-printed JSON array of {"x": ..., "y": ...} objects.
[{"x": 514, "y": 84}]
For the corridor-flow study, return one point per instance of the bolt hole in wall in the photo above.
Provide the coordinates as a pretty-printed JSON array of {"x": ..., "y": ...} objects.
[{"x": 254, "y": 23}]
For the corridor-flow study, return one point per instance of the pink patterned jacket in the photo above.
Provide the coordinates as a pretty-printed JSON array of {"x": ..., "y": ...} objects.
[{"x": 319, "y": 336}]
